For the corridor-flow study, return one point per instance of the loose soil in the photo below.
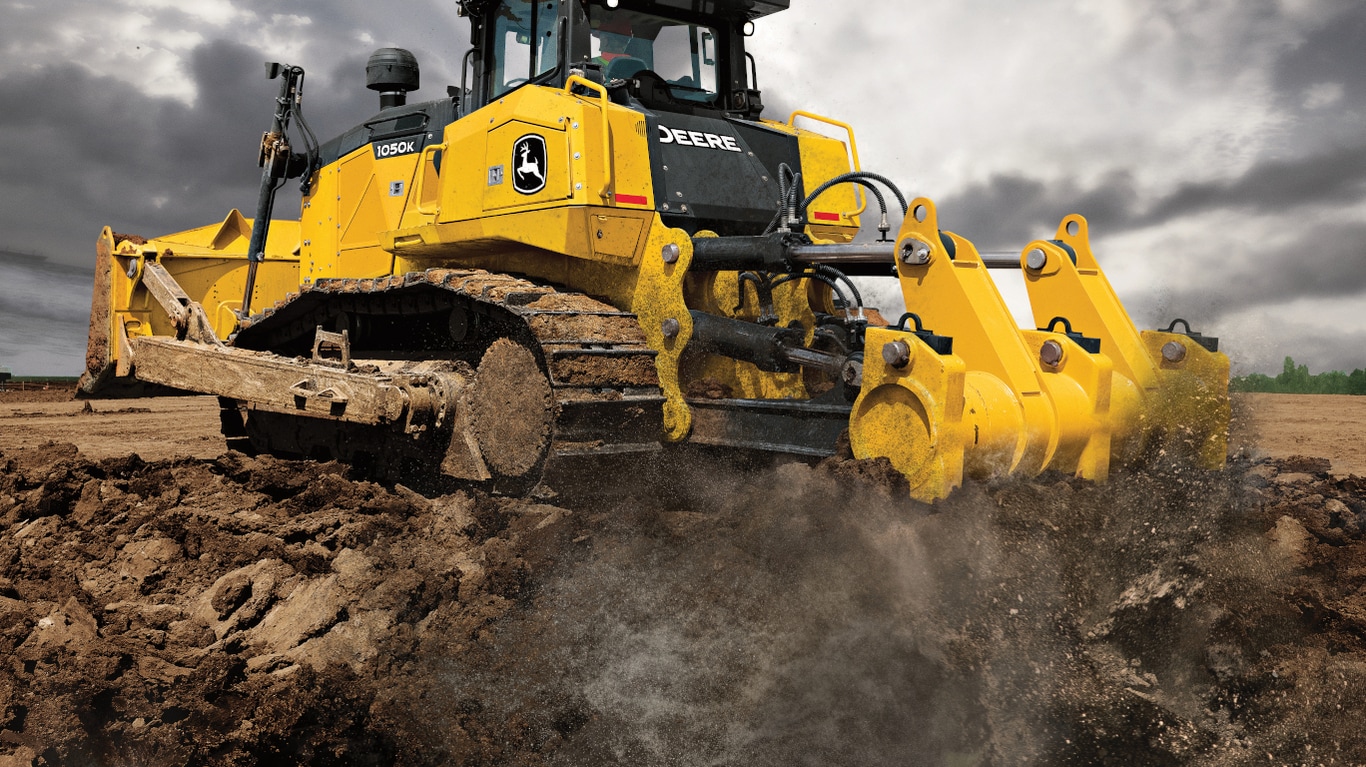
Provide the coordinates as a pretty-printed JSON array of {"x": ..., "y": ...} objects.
[
  {"x": 1328, "y": 425},
  {"x": 186, "y": 607}
]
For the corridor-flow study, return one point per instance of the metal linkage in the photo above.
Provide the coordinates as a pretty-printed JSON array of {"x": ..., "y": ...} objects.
[
  {"x": 791, "y": 252},
  {"x": 277, "y": 163}
]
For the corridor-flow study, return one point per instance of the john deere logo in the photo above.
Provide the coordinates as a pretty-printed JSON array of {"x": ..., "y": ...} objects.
[{"x": 528, "y": 164}]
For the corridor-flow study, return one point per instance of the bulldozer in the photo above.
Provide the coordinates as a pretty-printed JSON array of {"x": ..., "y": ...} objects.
[{"x": 597, "y": 246}]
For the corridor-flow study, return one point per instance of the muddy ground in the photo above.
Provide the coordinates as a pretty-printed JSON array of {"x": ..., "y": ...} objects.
[{"x": 252, "y": 611}]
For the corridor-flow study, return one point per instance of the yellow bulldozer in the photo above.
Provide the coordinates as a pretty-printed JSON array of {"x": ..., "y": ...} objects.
[{"x": 597, "y": 245}]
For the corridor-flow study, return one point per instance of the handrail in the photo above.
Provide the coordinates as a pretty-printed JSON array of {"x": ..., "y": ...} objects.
[
  {"x": 853, "y": 148},
  {"x": 420, "y": 186},
  {"x": 569, "y": 84}
]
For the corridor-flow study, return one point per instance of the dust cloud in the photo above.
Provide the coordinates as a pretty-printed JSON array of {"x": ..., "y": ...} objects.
[{"x": 788, "y": 616}]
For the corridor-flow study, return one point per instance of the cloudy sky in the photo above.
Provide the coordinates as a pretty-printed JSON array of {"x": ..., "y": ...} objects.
[{"x": 1218, "y": 147}]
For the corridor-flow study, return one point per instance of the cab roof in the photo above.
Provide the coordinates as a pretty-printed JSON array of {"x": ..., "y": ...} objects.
[{"x": 750, "y": 9}]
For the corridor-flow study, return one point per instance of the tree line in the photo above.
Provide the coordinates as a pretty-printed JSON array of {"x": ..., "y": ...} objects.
[{"x": 1296, "y": 379}]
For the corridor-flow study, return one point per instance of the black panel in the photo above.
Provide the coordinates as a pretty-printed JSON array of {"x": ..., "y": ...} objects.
[
  {"x": 424, "y": 117},
  {"x": 718, "y": 174},
  {"x": 776, "y": 426},
  {"x": 772, "y": 147}
]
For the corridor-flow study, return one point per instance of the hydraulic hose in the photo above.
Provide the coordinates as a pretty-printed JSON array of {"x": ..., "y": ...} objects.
[
  {"x": 818, "y": 277},
  {"x": 788, "y": 184},
  {"x": 864, "y": 176}
]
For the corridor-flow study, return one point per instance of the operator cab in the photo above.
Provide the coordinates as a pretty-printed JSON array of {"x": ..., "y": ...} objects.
[{"x": 683, "y": 56}]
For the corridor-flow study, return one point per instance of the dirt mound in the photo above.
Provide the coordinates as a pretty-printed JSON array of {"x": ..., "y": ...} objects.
[
  {"x": 245, "y": 611},
  {"x": 61, "y": 391}
]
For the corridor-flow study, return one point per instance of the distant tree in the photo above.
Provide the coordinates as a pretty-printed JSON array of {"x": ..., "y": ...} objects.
[
  {"x": 1356, "y": 382},
  {"x": 1296, "y": 379},
  {"x": 1253, "y": 382},
  {"x": 1293, "y": 380}
]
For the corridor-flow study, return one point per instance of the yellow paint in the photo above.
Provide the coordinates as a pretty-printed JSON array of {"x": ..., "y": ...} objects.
[
  {"x": 1190, "y": 411},
  {"x": 823, "y": 158},
  {"x": 1156, "y": 403},
  {"x": 955, "y": 297},
  {"x": 1015, "y": 414},
  {"x": 209, "y": 263},
  {"x": 499, "y": 151},
  {"x": 1081, "y": 293},
  {"x": 719, "y": 293},
  {"x": 853, "y": 152},
  {"x": 1079, "y": 386},
  {"x": 658, "y": 298},
  {"x": 913, "y": 416}
]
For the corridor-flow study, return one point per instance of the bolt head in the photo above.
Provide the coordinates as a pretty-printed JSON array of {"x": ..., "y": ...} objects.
[
  {"x": 670, "y": 328},
  {"x": 914, "y": 252},
  {"x": 671, "y": 253},
  {"x": 1173, "y": 351},
  {"x": 852, "y": 373},
  {"x": 897, "y": 354},
  {"x": 1051, "y": 353},
  {"x": 1036, "y": 259}
]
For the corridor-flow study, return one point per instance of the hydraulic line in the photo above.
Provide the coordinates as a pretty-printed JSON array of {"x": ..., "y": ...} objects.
[
  {"x": 851, "y": 176},
  {"x": 763, "y": 288},
  {"x": 825, "y": 273},
  {"x": 848, "y": 178},
  {"x": 274, "y": 160},
  {"x": 837, "y": 274},
  {"x": 864, "y": 179},
  {"x": 788, "y": 184},
  {"x": 817, "y": 276}
]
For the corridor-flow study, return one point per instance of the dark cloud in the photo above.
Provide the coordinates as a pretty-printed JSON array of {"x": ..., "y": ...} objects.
[
  {"x": 96, "y": 151},
  {"x": 1332, "y": 53},
  {"x": 1338, "y": 350},
  {"x": 1330, "y": 265},
  {"x": 101, "y": 152},
  {"x": 1274, "y": 186},
  {"x": 1009, "y": 210},
  {"x": 1255, "y": 347},
  {"x": 86, "y": 150},
  {"x": 44, "y": 314},
  {"x": 89, "y": 151}
]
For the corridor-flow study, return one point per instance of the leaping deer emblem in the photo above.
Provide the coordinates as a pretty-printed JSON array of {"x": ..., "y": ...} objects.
[{"x": 529, "y": 166}]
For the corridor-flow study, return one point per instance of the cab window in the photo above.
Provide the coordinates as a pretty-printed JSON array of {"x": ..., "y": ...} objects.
[
  {"x": 626, "y": 43},
  {"x": 526, "y": 43}
]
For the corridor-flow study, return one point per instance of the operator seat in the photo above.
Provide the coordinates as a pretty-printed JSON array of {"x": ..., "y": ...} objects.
[{"x": 624, "y": 68}]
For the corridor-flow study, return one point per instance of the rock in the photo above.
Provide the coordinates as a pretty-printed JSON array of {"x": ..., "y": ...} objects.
[
  {"x": 1303, "y": 464},
  {"x": 23, "y": 756},
  {"x": 310, "y": 609},
  {"x": 229, "y": 593},
  {"x": 1290, "y": 542},
  {"x": 1261, "y": 474},
  {"x": 140, "y": 559}
]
